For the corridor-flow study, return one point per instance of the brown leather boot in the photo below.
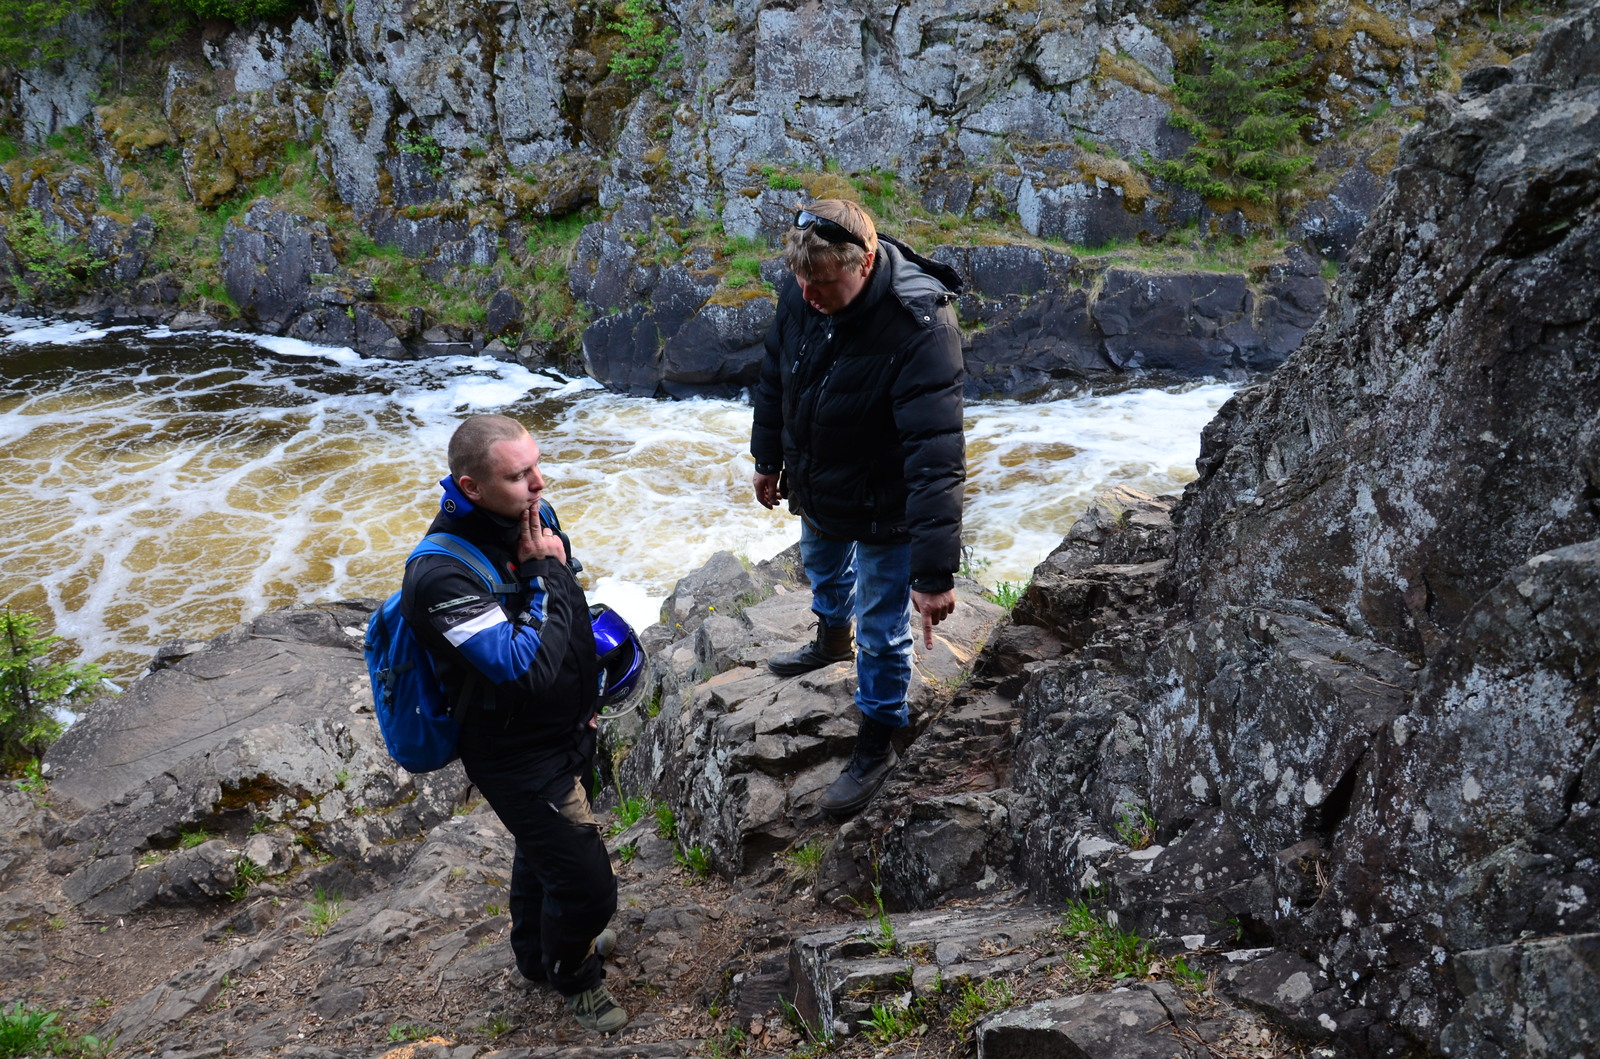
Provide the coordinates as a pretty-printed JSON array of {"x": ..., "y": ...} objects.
[{"x": 830, "y": 646}]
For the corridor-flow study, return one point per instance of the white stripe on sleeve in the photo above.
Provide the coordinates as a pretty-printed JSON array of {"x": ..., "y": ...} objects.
[{"x": 460, "y": 634}]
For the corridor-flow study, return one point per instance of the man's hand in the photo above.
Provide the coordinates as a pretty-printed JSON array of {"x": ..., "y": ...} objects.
[
  {"x": 538, "y": 541},
  {"x": 767, "y": 491},
  {"x": 934, "y": 608}
]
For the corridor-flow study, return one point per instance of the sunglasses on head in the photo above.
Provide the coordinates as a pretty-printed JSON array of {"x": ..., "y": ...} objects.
[{"x": 832, "y": 231}]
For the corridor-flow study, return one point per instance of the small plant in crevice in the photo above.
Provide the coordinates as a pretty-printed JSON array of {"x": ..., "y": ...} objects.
[
  {"x": 409, "y": 1031},
  {"x": 1187, "y": 974},
  {"x": 629, "y": 811},
  {"x": 1100, "y": 951},
  {"x": 1007, "y": 594},
  {"x": 666, "y": 823},
  {"x": 803, "y": 863},
  {"x": 977, "y": 1000},
  {"x": 424, "y": 147},
  {"x": 247, "y": 873},
  {"x": 695, "y": 860},
  {"x": 1135, "y": 826},
  {"x": 326, "y": 908},
  {"x": 818, "y": 1037},
  {"x": 892, "y": 1021},
  {"x": 884, "y": 939}
]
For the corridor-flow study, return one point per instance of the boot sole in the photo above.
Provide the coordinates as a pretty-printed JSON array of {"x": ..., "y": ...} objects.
[{"x": 797, "y": 670}]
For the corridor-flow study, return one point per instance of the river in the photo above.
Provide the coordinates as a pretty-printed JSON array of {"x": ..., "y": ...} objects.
[{"x": 161, "y": 485}]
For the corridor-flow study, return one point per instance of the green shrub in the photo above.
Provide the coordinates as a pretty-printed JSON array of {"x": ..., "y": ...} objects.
[
  {"x": 243, "y": 10},
  {"x": 51, "y": 265},
  {"x": 29, "y": 1031},
  {"x": 646, "y": 40},
  {"x": 1241, "y": 101},
  {"x": 31, "y": 688}
]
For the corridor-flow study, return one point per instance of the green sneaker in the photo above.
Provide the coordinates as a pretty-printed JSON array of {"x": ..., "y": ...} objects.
[{"x": 597, "y": 1010}]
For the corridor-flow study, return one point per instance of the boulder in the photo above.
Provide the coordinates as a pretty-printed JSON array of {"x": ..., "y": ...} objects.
[
  {"x": 270, "y": 261},
  {"x": 1136, "y": 1022},
  {"x": 742, "y": 755},
  {"x": 1353, "y": 705}
]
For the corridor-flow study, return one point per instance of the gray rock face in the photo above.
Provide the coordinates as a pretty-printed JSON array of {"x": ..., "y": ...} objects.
[
  {"x": 270, "y": 259},
  {"x": 1034, "y": 319},
  {"x": 286, "y": 667},
  {"x": 1123, "y": 1024},
  {"x": 1355, "y": 705}
]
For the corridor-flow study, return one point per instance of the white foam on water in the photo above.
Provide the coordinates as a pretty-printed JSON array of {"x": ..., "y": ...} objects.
[
  {"x": 184, "y": 487},
  {"x": 24, "y": 332}
]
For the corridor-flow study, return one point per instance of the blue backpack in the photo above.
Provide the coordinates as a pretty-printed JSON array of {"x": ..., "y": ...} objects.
[{"x": 406, "y": 695}]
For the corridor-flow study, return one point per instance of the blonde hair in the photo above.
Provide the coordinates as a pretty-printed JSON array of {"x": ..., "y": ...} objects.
[{"x": 804, "y": 250}]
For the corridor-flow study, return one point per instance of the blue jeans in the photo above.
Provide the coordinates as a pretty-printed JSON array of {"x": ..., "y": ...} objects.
[{"x": 871, "y": 582}]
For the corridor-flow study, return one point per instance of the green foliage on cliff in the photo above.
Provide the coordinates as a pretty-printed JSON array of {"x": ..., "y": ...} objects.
[
  {"x": 243, "y": 10},
  {"x": 50, "y": 265},
  {"x": 36, "y": 32},
  {"x": 1239, "y": 98},
  {"x": 31, "y": 687},
  {"x": 646, "y": 40}
]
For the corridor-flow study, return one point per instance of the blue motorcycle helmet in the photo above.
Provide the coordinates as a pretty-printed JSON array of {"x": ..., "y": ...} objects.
[{"x": 621, "y": 655}]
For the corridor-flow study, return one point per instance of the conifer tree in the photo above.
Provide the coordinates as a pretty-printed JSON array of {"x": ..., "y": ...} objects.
[
  {"x": 32, "y": 687},
  {"x": 1240, "y": 101}
]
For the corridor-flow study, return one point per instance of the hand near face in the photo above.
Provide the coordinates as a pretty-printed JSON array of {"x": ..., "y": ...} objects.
[{"x": 537, "y": 540}]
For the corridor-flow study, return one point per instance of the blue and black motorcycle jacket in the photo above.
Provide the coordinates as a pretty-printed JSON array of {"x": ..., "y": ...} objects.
[{"x": 521, "y": 674}]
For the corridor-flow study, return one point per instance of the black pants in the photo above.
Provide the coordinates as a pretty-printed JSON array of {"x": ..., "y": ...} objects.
[{"x": 563, "y": 892}]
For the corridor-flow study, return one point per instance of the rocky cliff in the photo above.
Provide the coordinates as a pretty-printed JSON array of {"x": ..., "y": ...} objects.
[
  {"x": 1304, "y": 761},
  {"x": 390, "y": 176}
]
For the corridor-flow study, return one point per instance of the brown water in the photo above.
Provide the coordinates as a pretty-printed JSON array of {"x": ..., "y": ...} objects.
[{"x": 158, "y": 486}]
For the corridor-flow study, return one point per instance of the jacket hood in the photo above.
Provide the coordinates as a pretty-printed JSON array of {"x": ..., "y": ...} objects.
[{"x": 917, "y": 278}]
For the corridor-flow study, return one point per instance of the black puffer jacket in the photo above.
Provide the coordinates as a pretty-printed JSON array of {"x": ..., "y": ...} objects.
[{"x": 862, "y": 411}]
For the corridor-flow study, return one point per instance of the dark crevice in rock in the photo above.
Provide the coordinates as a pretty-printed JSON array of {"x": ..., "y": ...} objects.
[{"x": 1325, "y": 819}]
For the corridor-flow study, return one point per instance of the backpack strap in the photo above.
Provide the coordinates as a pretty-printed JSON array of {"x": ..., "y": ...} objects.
[
  {"x": 547, "y": 518},
  {"x": 469, "y": 554}
]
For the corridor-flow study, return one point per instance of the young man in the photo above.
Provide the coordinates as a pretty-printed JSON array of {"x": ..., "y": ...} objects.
[
  {"x": 858, "y": 424},
  {"x": 523, "y": 679}
]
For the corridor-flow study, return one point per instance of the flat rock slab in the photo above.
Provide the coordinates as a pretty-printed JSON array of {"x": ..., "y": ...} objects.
[
  {"x": 1140, "y": 1022},
  {"x": 286, "y": 667}
]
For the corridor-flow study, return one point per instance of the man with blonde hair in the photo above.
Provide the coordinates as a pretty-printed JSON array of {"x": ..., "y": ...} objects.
[{"x": 858, "y": 425}]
